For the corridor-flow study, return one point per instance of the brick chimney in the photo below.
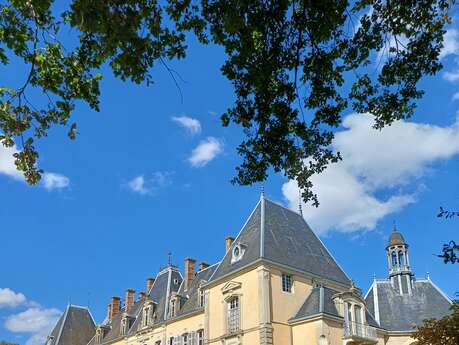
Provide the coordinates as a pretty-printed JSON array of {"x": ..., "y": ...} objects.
[
  {"x": 203, "y": 266},
  {"x": 228, "y": 242},
  {"x": 129, "y": 299},
  {"x": 141, "y": 295},
  {"x": 150, "y": 282},
  {"x": 115, "y": 305},
  {"x": 189, "y": 271}
]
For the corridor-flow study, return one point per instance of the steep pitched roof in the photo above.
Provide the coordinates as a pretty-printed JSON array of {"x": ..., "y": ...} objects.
[
  {"x": 75, "y": 327},
  {"x": 191, "y": 295},
  {"x": 319, "y": 301},
  {"x": 279, "y": 235},
  {"x": 166, "y": 282},
  {"x": 398, "y": 312}
]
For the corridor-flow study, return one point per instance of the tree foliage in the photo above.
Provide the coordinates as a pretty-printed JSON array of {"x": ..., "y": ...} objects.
[
  {"x": 295, "y": 65},
  {"x": 449, "y": 250},
  {"x": 444, "y": 331}
]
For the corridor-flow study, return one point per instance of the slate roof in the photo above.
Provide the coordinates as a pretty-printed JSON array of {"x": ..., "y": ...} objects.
[
  {"x": 279, "y": 235},
  {"x": 191, "y": 295},
  {"x": 402, "y": 312},
  {"x": 166, "y": 282},
  {"x": 75, "y": 327},
  {"x": 318, "y": 302}
]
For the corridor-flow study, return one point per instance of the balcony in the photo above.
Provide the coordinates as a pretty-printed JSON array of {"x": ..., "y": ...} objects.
[{"x": 358, "y": 333}]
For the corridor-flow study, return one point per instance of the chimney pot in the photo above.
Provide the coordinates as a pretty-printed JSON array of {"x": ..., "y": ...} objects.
[
  {"x": 129, "y": 299},
  {"x": 141, "y": 295},
  {"x": 203, "y": 266},
  {"x": 150, "y": 282},
  {"x": 189, "y": 271},
  {"x": 228, "y": 242},
  {"x": 115, "y": 305}
]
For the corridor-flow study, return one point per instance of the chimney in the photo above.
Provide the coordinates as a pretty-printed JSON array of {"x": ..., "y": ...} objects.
[
  {"x": 141, "y": 295},
  {"x": 129, "y": 299},
  {"x": 189, "y": 271},
  {"x": 109, "y": 312},
  {"x": 228, "y": 242},
  {"x": 203, "y": 266},
  {"x": 115, "y": 305},
  {"x": 150, "y": 282}
]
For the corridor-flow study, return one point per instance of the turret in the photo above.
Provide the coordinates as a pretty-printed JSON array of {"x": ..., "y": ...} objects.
[{"x": 398, "y": 261}]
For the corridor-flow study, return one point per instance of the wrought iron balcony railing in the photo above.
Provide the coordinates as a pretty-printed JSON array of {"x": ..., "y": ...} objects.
[{"x": 355, "y": 329}]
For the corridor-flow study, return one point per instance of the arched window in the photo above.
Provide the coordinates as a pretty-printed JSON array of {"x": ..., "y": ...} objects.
[
  {"x": 394, "y": 259},
  {"x": 401, "y": 258}
]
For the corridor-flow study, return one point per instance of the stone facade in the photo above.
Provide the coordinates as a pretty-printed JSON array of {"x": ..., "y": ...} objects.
[{"x": 276, "y": 284}]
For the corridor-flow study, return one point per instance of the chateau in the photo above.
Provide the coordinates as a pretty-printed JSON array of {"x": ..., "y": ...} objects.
[{"x": 276, "y": 284}]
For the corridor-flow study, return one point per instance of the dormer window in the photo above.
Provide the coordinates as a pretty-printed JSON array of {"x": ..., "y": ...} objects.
[
  {"x": 202, "y": 298},
  {"x": 237, "y": 252},
  {"x": 172, "y": 308},
  {"x": 146, "y": 317},
  {"x": 126, "y": 324},
  {"x": 101, "y": 332}
]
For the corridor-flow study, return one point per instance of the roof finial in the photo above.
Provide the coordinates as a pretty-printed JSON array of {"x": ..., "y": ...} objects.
[
  {"x": 428, "y": 275},
  {"x": 169, "y": 259},
  {"x": 300, "y": 207},
  {"x": 262, "y": 191},
  {"x": 395, "y": 226}
]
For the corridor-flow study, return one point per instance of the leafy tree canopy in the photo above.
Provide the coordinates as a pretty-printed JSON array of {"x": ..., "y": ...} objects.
[
  {"x": 295, "y": 65},
  {"x": 444, "y": 331}
]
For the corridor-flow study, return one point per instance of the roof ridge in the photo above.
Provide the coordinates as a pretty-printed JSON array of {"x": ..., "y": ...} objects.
[
  {"x": 235, "y": 240},
  {"x": 64, "y": 318},
  {"x": 326, "y": 249},
  {"x": 262, "y": 227}
]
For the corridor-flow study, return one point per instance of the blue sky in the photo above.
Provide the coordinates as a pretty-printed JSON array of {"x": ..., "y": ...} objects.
[{"x": 150, "y": 174}]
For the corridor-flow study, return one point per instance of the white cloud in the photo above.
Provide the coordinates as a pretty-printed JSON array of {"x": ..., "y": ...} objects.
[
  {"x": 206, "y": 151},
  {"x": 7, "y": 166},
  {"x": 55, "y": 181},
  {"x": 137, "y": 184},
  {"x": 374, "y": 163},
  {"x": 36, "y": 321},
  {"x": 451, "y": 76},
  {"x": 11, "y": 299},
  {"x": 150, "y": 185},
  {"x": 455, "y": 97},
  {"x": 450, "y": 43},
  {"x": 193, "y": 126}
]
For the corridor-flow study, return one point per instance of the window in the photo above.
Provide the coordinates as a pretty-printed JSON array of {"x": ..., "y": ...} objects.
[
  {"x": 286, "y": 283},
  {"x": 185, "y": 339},
  {"x": 146, "y": 317},
  {"x": 171, "y": 341},
  {"x": 201, "y": 337},
  {"x": 233, "y": 315},
  {"x": 358, "y": 320},
  {"x": 237, "y": 253},
  {"x": 172, "y": 309},
  {"x": 401, "y": 258},
  {"x": 202, "y": 298},
  {"x": 394, "y": 259}
]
